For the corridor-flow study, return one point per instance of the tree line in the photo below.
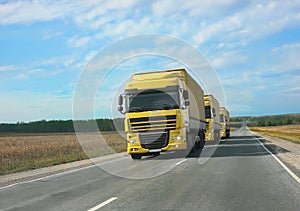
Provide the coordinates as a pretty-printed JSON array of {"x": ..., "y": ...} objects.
[
  {"x": 271, "y": 120},
  {"x": 58, "y": 126}
]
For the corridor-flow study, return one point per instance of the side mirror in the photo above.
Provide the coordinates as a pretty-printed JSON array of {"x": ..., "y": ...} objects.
[
  {"x": 185, "y": 94},
  {"x": 187, "y": 103},
  {"x": 120, "y": 109},
  {"x": 120, "y": 100},
  {"x": 214, "y": 112}
]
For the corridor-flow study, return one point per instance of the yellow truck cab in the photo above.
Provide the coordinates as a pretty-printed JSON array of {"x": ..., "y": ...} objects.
[
  {"x": 212, "y": 115},
  {"x": 164, "y": 110},
  {"x": 225, "y": 122}
]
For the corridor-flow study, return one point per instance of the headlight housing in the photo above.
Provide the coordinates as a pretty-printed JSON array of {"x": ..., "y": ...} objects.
[{"x": 177, "y": 138}]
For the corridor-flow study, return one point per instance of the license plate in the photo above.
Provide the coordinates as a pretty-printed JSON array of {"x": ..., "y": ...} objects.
[{"x": 154, "y": 150}]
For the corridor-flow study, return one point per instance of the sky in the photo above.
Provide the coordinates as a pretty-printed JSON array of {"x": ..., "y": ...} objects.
[{"x": 45, "y": 46}]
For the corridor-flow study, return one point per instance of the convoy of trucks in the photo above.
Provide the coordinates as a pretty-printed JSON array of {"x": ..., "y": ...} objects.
[
  {"x": 167, "y": 110},
  {"x": 212, "y": 115},
  {"x": 225, "y": 122}
]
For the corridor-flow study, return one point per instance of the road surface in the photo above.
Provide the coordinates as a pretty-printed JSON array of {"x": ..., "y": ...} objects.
[{"x": 241, "y": 175}]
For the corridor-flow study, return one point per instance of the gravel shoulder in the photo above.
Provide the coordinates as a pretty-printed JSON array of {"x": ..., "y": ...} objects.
[{"x": 286, "y": 151}]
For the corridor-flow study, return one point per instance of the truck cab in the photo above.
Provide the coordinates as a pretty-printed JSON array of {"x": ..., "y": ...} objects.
[
  {"x": 212, "y": 115},
  {"x": 225, "y": 122},
  {"x": 157, "y": 113}
]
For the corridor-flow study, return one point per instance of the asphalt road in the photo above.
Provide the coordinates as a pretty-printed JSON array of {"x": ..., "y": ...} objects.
[{"x": 240, "y": 175}]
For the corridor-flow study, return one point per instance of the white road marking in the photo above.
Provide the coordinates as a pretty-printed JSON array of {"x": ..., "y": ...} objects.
[
  {"x": 47, "y": 177},
  {"x": 251, "y": 153},
  {"x": 103, "y": 204},
  {"x": 279, "y": 161},
  {"x": 59, "y": 174},
  {"x": 180, "y": 162},
  {"x": 111, "y": 161}
]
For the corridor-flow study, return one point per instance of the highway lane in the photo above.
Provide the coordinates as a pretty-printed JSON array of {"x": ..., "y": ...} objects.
[{"x": 240, "y": 175}]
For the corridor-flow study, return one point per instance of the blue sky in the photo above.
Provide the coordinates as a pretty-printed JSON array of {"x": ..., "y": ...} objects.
[{"x": 254, "y": 47}]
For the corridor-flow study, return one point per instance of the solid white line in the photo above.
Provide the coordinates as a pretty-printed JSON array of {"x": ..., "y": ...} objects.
[
  {"x": 49, "y": 176},
  {"x": 279, "y": 161},
  {"x": 180, "y": 162},
  {"x": 61, "y": 173},
  {"x": 111, "y": 161},
  {"x": 103, "y": 204}
]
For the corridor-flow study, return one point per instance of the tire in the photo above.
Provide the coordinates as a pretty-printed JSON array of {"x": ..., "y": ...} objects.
[
  {"x": 156, "y": 153},
  {"x": 227, "y": 133},
  {"x": 136, "y": 156},
  {"x": 202, "y": 141}
]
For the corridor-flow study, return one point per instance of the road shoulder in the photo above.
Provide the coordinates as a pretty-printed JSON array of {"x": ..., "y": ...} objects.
[
  {"x": 288, "y": 152},
  {"x": 43, "y": 172}
]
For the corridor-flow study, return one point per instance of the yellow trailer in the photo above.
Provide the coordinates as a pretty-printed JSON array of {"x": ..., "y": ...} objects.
[
  {"x": 212, "y": 115},
  {"x": 164, "y": 110},
  {"x": 225, "y": 122}
]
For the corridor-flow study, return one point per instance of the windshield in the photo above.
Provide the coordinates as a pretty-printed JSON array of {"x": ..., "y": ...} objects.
[
  {"x": 222, "y": 118},
  {"x": 207, "y": 112},
  {"x": 153, "y": 100}
]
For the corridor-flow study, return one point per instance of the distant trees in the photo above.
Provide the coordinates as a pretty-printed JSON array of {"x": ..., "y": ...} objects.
[
  {"x": 57, "y": 126},
  {"x": 267, "y": 122},
  {"x": 274, "y": 120}
]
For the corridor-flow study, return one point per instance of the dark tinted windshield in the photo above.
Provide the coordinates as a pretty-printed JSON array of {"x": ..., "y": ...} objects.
[
  {"x": 222, "y": 118},
  {"x": 153, "y": 100},
  {"x": 207, "y": 112}
]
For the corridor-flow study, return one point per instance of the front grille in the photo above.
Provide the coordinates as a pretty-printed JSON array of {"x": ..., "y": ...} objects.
[
  {"x": 153, "y": 123},
  {"x": 154, "y": 140},
  {"x": 207, "y": 125}
]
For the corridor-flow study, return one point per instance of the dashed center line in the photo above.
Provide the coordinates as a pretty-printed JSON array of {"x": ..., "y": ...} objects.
[{"x": 103, "y": 204}]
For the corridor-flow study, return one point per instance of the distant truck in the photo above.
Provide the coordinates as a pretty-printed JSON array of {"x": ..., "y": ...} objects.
[
  {"x": 212, "y": 115},
  {"x": 225, "y": 122},
  {"x": 164, "y": 110}
]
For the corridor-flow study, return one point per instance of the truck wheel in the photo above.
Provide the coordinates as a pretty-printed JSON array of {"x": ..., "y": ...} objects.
[
  {"x": 201, "y": 142},
  {"x": 156, "y": 153},
  {"x": 227, "y": 133},
  {"x": 136, "y": 156}
]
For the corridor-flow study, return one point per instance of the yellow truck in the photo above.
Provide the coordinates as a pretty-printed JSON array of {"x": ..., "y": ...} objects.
[
  {"x": 225, "y": 122},
  {"x": 212, "y": 115},
  {"x": 164, "y": 110}
]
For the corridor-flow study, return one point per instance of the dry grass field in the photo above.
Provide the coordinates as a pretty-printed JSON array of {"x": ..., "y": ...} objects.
[
  {"x": 21, "y": 152},
  {"x": 288, "y": 132}
]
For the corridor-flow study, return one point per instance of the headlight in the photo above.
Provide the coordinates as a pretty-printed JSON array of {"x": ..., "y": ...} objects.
[
  {"x": 131, "y": 141},
  {"x": 176, "y": 138}
]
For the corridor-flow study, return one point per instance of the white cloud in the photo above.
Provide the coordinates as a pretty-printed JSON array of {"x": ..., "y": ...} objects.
[
  {"x": 285, "y": 58},
  {"x": 77, "y": 42},
  {"x": 227, "y": 59},
  {"x": 37, "y": 73},
  {"x": 68, "y": 62},
  {"x": 194, "y": 7},
  {"x": 15, "y": 12},
  {"x": 104, "y": 13},
  {"x": 90, "y": 55},
  {"x": 8, "y": 68},
  {"x": 252, "y": 22},
  {"x": 51, "y": 34}
]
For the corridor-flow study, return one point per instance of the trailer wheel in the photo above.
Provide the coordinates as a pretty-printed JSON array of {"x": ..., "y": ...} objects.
[
  {"x": 201, "y": 141},
  {"x": 227, "y": 133},
  {"x": 136, "y": 156}
]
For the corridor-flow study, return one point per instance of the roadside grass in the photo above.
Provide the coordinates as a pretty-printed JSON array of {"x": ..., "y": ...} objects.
[
  {"x": 287, "y": 132},
  {"x": 32, "y": 151}
]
